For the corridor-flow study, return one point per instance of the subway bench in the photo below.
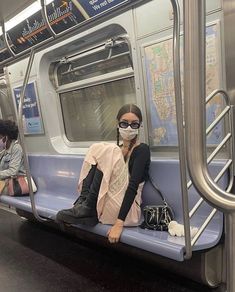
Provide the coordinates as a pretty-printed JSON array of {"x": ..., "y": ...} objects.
[{"x": 56, "y": 177}]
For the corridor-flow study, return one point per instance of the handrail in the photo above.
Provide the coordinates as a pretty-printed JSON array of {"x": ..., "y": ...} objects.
[
  {"x": 194, "y": 90},
  {"x": 220, "y": 174},
  {"x": 229, "y": 163},
  {"x": 219, "y": 147},
  {"x": 218, "y": 177},
  {"x": 201, "y": 229},
  {"x": 214, "y": 153},
  {"x": 180, "y": 126},
  {"x": 22, "y": 139},
  {"x": 218, "y": 119},
  {"x": 94, "y": 63},
  {"x": 127, "y": 40},
  {"x": 5, "y": 40},
  {"x": 195, "y": 117},
  {"x": 218, "y": 91}
]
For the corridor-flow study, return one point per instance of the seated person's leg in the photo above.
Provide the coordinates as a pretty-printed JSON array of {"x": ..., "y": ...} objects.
[
  {"x": 84, "y": 210},
  {"x": 86, "y": 185}
]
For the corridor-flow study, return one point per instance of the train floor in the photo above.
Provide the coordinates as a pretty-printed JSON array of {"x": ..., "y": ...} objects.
[{"x": 36, "y": 258}]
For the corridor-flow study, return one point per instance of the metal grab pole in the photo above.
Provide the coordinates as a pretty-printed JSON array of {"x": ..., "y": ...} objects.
[
  {"x": 195, "y": 116},
  {"x": 180, "y": 127},
  {"x": 22, "y": 139},
  {"x": 45, "y": 18},
  {"x": 195, "y": 109},
  {"x": 5, "y": 39},
  {"x": 230, "y": 251}
]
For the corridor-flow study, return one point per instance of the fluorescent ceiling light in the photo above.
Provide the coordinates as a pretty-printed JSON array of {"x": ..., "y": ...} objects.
[
  {"x": 30, "y": 10},
  {"x": 24, "y": 14}
]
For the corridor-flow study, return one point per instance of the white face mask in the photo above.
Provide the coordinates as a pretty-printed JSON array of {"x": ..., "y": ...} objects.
[{"x": 128, "y": 133}]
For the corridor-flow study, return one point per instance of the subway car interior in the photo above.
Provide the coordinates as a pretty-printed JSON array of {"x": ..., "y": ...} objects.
[{"x": 66, "y": 67}]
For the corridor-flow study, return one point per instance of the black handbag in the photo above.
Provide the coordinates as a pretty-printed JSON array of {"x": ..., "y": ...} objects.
[{"x": 157, "y": 217}]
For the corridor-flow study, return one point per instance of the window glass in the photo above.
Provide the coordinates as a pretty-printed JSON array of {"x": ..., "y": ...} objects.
[{"x": 90, "y": 113}]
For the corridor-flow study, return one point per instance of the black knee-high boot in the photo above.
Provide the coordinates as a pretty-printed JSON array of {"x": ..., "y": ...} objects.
[
  {"x": 86, "y": 184},
  {"x": 84, "y": 212}
]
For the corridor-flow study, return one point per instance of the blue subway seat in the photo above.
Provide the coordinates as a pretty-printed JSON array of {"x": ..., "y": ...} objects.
[{"x": 57, "y": 176}]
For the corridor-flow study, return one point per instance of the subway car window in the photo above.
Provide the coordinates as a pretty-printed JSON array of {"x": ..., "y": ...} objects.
[
  {"x": 107, "y": 60},
  {"x": 92, "y": 86},
  {"x": 90, "y": 113}
]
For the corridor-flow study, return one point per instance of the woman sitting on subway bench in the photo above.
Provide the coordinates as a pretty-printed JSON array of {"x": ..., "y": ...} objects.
[
  {"x": 11, "y": 154},
  {"x": 112, "y": 178}
]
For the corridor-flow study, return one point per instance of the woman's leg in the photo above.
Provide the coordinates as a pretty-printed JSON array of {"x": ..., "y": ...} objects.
[
  {"x": 105, "y": 157},
  {"x": 88, "y": 206},
  {"x": 86, "y": 185},
  {"x": 84, "y": 211}
]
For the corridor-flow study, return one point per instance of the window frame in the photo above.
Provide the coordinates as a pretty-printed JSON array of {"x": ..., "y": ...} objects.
[{"x": 86, "y": 83}]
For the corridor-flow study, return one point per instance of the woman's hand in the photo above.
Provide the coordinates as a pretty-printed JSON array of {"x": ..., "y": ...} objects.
[{"x": 115, "y": 231}]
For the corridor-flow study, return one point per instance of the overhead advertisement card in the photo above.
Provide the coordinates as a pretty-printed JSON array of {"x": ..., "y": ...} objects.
[
  {"x": 32, "y": 119},
  {"x": 95, "y": 7},
  {"x": 62, "y": 15}
]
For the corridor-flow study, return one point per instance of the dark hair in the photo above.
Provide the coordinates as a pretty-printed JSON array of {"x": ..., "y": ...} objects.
[
  {"x": 9, "y": 128},
  {"x": 129, "y": 108}
]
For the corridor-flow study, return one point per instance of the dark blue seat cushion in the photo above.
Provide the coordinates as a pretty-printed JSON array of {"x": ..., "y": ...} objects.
[{"x": 57, "y": 176}]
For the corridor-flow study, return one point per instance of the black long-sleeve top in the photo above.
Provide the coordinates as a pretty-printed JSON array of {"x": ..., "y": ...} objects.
[{"x": 138, "y": 169}]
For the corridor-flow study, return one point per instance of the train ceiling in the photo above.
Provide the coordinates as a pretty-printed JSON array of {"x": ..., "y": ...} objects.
[{"x": 9, "y": 8}]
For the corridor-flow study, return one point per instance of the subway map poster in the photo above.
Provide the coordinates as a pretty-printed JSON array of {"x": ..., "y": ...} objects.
[{"x": 160, "y": 88}]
